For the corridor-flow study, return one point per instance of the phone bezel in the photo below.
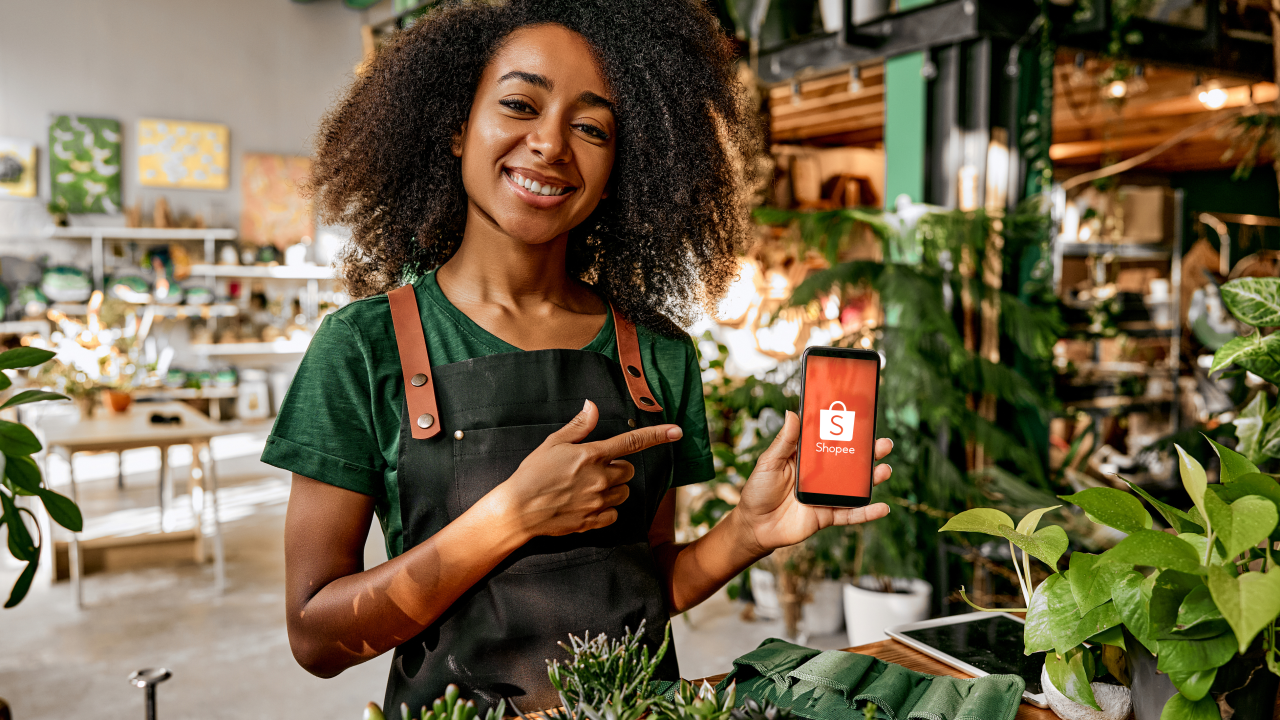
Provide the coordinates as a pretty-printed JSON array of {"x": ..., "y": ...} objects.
[{"x": 823, "y": 499}]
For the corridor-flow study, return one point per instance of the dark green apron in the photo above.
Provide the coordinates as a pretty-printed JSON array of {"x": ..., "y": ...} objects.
[{"x": 484, "y": 417}]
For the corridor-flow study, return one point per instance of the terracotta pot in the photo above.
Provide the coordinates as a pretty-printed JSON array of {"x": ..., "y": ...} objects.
[{"x": 116, "y": 401}]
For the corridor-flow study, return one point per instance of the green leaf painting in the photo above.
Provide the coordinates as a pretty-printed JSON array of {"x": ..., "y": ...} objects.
[{"x": 84, "y": 164}]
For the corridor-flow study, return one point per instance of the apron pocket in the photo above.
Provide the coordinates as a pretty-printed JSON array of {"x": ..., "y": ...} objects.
[{"x": 487, "y": 457}]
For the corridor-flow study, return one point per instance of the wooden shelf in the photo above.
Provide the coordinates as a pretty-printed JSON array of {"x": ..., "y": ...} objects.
[
  {"x": 280, "y": 272},
  {"x": 208, "y": 393},
  {"x": 278, "y": 347},
  {"x": 169, "y": 311},
  {"x": 118, "y": 233}
]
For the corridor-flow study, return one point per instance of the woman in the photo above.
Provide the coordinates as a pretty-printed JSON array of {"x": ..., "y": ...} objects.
[{"x": 555, "y": 179}]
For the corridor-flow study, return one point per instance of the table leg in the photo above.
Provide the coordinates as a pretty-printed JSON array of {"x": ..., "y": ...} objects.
[
  {"x": 73, "y": 553},
  {"x": 196, "y": 487},
  {"x": 219, "y": 561},
  {"x": 165, "y": 486}
]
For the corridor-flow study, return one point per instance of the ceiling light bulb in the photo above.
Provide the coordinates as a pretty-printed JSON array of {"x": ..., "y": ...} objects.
[{"x": 1117, "y": 89}]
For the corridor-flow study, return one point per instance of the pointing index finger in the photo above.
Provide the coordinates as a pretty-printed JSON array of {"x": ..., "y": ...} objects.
[{"x": 636, "y": 440}]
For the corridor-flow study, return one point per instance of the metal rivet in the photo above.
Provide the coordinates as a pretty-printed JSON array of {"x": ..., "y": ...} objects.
[
  {"x": 425, "y": 421},
  {"x": 418, "y": 380},
  {"x": 646, "y": 401},
  {"x": 457, "y": 434},
  {"x": 635, "y": 372},
  {"x": 631, "y": 422}
]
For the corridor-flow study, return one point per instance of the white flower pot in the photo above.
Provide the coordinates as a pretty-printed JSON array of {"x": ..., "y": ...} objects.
[
  {"x": 868, "y": 612},
  {"x": 1115, "y": 701},
  {"x": 764, "y": 589},
  {"x": 824, "y": 613}
]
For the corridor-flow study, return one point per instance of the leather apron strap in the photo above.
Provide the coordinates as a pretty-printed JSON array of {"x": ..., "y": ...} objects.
[
  {"x": 632, "y": 368},
  {"x": 415, "y": 363}
]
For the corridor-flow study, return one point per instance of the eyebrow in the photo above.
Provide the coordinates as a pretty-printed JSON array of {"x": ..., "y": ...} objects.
[{"x": 587, "y": 98}]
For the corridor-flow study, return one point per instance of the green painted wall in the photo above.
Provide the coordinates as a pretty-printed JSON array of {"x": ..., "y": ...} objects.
[
  {"x": 904, "y": 127},
  {"x": 909, "y": 4}
]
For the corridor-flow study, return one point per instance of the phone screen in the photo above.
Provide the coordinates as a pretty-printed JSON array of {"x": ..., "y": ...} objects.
[{"x": 838, "y": 426}]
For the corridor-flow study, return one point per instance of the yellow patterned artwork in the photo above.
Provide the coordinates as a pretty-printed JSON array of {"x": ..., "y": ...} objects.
[{"x": 176, "y": 153}]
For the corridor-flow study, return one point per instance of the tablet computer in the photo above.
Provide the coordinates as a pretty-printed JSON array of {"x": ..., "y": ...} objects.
[{"x": 978, "y": 643}]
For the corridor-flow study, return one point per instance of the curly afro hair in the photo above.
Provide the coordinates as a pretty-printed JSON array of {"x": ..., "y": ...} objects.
[{"x": 660, "y": 247}]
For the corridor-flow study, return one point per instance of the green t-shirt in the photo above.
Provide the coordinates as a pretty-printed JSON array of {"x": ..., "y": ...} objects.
[{"x": 340, "y": 420}]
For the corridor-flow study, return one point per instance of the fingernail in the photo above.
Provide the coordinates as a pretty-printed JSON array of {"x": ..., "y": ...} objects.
[
  {"x": 585, "y": 404},
  {"x": 675, "y": 433}
]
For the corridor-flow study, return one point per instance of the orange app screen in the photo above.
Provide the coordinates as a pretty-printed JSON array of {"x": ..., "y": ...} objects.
[{"x": 836, "y": 432}]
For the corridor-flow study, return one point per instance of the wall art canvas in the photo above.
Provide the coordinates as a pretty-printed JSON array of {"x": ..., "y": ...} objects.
[
  {"x": 84, "y": 164},
  {"x": 180, "y": 154},
  {"x": 17, "y": 168},
  {"x": 273, "y": 210}
]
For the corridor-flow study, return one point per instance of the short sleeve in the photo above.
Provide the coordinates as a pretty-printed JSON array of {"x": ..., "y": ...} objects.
[
  {"x": 693, "y": 461},
  {"x": 324, "y": 430}
]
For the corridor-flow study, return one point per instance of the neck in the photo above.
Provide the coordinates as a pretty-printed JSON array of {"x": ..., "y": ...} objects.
[{"x": 491, "y": 267}]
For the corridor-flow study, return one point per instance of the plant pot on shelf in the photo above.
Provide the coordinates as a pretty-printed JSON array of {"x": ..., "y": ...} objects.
[
  {"x": 823, "y": 614},
  {"x": 869, "y": 610},
  {"x": 1114, "y": 701},
  {"x": 764, "y": 588},
  {"x": 1250, "y": 688},
  {"x": 117, "y": 401}
]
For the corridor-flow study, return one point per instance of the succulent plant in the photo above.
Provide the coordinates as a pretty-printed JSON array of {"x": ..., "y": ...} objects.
[
  {"x": 448, "y": 707},
  {"x": 752, "y": 710}
]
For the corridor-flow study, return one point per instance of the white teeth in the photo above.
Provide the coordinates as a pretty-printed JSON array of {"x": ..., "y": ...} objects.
[{"x": 536, "y": 187}]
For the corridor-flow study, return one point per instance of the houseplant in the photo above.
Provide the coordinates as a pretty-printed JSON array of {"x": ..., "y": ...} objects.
[
  {"x": 22, "y": 475},
  {"x": 1206, "y": 612}
]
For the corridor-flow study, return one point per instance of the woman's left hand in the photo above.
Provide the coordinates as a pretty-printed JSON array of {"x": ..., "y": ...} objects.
[{"x": 769, "y": 512}]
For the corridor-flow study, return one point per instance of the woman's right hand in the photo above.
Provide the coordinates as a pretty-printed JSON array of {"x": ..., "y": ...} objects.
[{"x": 567, "y": 486}]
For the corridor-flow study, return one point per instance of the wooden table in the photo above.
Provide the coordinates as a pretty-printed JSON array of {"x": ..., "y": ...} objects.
[
  {"x": 895, "y": 652},
  {"x": 116, "y": 432}
]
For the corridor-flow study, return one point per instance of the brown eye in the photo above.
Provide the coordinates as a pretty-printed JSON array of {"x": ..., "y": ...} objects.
[
  {"x": 519, "y": 106},
  {"x": 593, "y": 131}
]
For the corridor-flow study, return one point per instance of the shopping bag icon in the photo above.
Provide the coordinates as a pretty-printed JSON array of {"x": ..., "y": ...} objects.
[{"x": 835, "y": 424}]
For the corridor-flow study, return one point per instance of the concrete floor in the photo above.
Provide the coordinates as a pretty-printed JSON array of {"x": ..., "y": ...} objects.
[{"x": 229, "y": 654}]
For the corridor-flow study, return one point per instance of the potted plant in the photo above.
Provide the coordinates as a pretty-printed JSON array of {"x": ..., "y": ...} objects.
[{"x": 1185, "y": 618}]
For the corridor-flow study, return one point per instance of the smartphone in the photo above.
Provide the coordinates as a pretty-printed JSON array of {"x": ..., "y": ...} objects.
[{"x": 838, "y": 394}]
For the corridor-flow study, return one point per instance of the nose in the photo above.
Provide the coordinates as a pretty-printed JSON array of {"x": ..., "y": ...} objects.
[{"x": 549, "y": 140}]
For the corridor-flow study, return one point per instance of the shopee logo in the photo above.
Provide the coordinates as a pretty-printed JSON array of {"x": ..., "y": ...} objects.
[{"x": 836, "y": 424}]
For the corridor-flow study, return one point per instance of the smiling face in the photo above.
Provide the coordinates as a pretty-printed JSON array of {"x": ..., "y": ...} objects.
[{"x": 538, "y": 146}]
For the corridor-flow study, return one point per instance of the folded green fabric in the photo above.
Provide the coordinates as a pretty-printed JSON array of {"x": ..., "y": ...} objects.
[{"x": 830, "y": 685}]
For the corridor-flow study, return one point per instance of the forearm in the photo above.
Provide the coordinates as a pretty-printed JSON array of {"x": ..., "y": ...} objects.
[
  {"x": 695, "y": 571},
  {"x": 360, "y": 616}
]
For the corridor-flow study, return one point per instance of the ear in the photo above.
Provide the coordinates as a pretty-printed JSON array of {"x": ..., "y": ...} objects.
[{"x": 459, "y": 139}]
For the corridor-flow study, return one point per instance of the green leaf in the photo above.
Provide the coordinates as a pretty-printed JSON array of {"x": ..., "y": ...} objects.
[
  {"x": 1153, "y": 548},
  {"x": 983, "y": 520},
  {"x": 1200, "y": 543},
  {"x": 22, "y": 357},
  {"x": 1131, "y": 595},
  {"x": 1047, "y": 544},
  {"x": 1252, "y": 484},
  {"x": 1113, "y": 636},
  {"x": 23, "y": 471},
  {"x": 1051, "y": 605},
  {"x": 1248, "y": 602},
  {"x": 1242, "y": 524},
  {"x": 1072, "y": 674},
  {"x": 1113, "y": 508},
  {"x": 17, "y": 439},
  {"x": 62, "y": 510},
  {"x": 1234, "y": 465},
  {"x": 20, "y": 542},
  {"x": 1239, "y": 348},
  {"x": 1194, "y": 685},
  {"x": 5, "y": 382},
  {"x": 30, "y": 396},
  {"x": 23, "y": 584},
  {"x": 1182, "y": 708},
  {"x": 1178, "y": 520},
  {"x": 1198, "y": 617},
  {"x": 1193, "y": 479},
  {"x": 1249, "y": 428},
  {"x": 1029, "y": 522},
  {"x": 1091, "y": 581},
  {"x": 1194, "y": 655},
  {"x": 1167, "y": 593},
  {"x": 1254, "y": 301}
]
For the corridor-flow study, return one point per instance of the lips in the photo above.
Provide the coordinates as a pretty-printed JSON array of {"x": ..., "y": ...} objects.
[{"x": 549, "y": 193}]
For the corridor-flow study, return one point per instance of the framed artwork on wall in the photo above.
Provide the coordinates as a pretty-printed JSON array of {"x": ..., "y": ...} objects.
[
  {"x": 84, "y": 164},
  {"x": 273, "y": 210},
  {"x": 17, "y": 168},
  {"x": 180, "y": 154}
]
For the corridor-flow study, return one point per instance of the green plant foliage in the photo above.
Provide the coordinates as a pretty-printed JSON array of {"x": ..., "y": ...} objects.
[
  {"x": 450, "y": 706},
  {"x": 1113, "y": 508},
  {"x": 1072, "y": 674},
  {"x": 1091, "y": 581},
  {"x": 22, "y": 475},
  {"x": 1234, "y": 465},
  {"x": 602, "y": 670}
]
